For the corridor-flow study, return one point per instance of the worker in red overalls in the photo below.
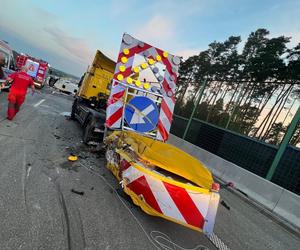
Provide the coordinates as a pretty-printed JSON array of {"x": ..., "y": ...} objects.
[{"x": 20, "y": 82}]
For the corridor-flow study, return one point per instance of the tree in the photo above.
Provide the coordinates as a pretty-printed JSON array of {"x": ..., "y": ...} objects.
[
  {"x": 276, "y": 133},
  {"x": 239, "y": 86}
]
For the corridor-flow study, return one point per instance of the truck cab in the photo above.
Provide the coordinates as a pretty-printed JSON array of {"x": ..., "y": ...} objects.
[{"x": 90, "y": 102}]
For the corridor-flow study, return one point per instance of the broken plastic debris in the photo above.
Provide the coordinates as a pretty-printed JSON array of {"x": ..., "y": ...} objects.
[
  {"x": 72, "y": 158},
  {"x": 77, "y": 192},
  {"x": 66, "y": 114},
  {"x": 223, "y": 203}
]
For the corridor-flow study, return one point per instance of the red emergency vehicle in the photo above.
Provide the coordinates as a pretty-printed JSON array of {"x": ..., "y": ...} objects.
[{"x": 37, "y": 68}]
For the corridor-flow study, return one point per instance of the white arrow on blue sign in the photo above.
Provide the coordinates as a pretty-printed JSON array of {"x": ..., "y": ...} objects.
[{"x": 141, "y": 114}]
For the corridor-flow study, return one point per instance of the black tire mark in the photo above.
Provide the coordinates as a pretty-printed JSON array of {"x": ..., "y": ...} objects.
[{"x": 72, "y": 223}]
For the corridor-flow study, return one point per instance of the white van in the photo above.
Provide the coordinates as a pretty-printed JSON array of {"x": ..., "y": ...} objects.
[{"x": 68, "y": 86}]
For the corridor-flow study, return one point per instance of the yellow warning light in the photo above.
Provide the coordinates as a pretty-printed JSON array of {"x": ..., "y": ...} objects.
[
  {"x": 144, "y": 65},
  {"x": 146, "y": 85},
  {"x": 120, "y": 77},
  {"x": 136, "y": 69},
  {"x": 151, "y": 61},
  {"x": 165, "y": 54},
  {"x": 158, "y": 58},
  {"x": 138, "y": 83},
  {"x": 126, "y": 51},
  {"x": 129, "y": 80},
  {"x": 122, "y": 68},
  {"x": 124, "y": 59}
]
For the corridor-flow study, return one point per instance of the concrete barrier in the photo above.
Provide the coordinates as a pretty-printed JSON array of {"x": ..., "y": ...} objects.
[
  {"x": 288, "y": 207},
  {"x": 275, "y": 198}
]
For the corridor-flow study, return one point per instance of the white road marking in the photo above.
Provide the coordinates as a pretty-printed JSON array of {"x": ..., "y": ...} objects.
[
  {"x": 28, "y": 172},
  {"x": 39, "y": 103}
]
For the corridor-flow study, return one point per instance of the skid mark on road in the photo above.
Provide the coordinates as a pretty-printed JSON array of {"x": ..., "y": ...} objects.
[
  {"x": 71, "y": 218},
  {"x": 24, "y": 174},
  {"x": 39, "y": 103}
]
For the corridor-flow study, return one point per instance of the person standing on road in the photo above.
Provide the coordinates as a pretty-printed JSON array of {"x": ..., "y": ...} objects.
[{"x": 20, "y": 83}]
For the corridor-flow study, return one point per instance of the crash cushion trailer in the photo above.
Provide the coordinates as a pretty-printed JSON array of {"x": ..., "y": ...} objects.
[
  {"x": 160, "y": 178},
  {"x": 163, "y": 180},
  {"x": 90, "y": 102}
]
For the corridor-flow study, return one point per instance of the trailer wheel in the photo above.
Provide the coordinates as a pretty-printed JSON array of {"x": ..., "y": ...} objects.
[{"x": 88, "y": 131}]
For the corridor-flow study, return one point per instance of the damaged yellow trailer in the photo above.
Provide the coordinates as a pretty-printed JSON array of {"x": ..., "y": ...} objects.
[
  {"x": 163, "y": 180},
  {"x": 160, "y": 178}
]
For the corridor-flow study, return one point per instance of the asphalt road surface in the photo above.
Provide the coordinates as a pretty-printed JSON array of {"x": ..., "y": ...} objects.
[{"x": 39, "y": 210}]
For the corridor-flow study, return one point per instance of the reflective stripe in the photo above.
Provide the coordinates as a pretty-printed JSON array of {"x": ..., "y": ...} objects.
[{"x": 164, "y": 199}]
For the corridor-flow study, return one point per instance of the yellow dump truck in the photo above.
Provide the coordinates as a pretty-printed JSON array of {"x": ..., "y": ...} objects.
[{"x": 90, "y": 102}]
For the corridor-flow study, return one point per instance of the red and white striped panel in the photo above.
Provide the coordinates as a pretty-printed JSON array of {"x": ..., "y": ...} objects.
[
  {"x": 182, "y": 205},
  {"x": 114, "y": 111}
]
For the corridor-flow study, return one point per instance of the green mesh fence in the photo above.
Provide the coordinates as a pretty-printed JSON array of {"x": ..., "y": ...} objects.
[
  {"x": 248, "y": 153},
  {"x": 287, "y": 173}
]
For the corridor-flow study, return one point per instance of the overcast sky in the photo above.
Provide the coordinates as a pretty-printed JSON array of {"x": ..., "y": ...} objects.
[{"x": 66, "y": 33}]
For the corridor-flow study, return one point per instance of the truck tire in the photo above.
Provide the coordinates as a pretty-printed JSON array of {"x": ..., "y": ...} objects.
[
  {"x": 88, "y": 131},
  {"x": 51, "y": 83},
  {"x": 74, "y": 109}
]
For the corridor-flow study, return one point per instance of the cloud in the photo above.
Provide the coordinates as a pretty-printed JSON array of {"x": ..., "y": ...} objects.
[
  {"x": 186, "y": 53},
  {"x": 161, "y": 32},
  {"x": 158, "y": 30},
  {"x": 72, "y": 46},
  {"x": 46, "y": 32},
  {"x": 295, "y": 38}
]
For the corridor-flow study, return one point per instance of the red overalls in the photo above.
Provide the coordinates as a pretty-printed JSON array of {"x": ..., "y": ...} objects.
[{"x": 17, "y": 93}]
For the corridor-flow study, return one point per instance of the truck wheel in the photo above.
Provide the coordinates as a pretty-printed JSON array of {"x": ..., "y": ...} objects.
[
  {"x": 88, "y": 131},
  {"x": 74, "y": 108}
]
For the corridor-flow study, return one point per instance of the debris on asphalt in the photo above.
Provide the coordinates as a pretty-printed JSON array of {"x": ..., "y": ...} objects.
[
  {"x": 92, "y": 188},
  {"x": 57, "y": 136},
  {"x": 77, "y": 192},
  {"x": 66, "y": 114},
  {"x": 230, "y": 184},
  {"x": 223, "y": 203},
  {"x": 226, "y": 185},
  {"x": 72, "y": 157},
  {"x": 82, "y": 156}
]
